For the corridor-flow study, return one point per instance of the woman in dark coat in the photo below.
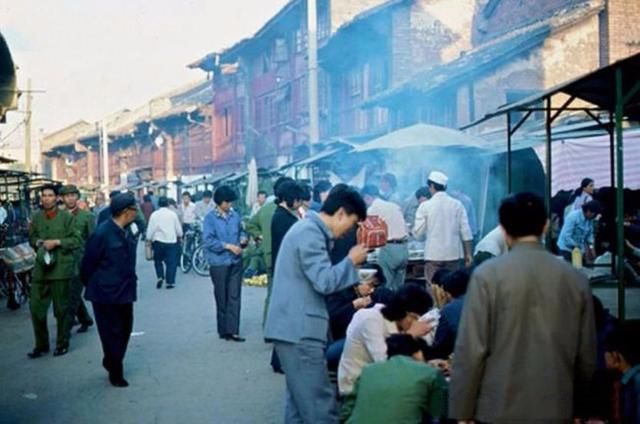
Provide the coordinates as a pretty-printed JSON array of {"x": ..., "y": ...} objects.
[{"x": 289, "y": 197}]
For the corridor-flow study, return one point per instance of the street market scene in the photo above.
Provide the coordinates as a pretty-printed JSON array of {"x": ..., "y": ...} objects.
[{"x": 320, "y": 211}]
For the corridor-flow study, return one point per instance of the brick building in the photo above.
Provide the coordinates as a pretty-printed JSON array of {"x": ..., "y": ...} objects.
[
  {"x": 387, "y": 45},
  {"x": 163, "y": 140},
  {"x": 260, "y": 101},
  {"x": 64, "y": 158},
  {"x": 518, "y": 48},
  {"x": 383, "y": 65}
]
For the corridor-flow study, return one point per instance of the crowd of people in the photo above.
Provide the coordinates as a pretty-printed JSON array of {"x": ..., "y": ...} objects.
[
  {"x": 500, "y": 330},
  {"x": 505, "y": 332},
  {"x": 95, "y": 251}
]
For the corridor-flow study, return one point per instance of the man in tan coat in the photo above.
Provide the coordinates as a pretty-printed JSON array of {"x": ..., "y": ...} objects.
[{"x": 526, "y": 347}]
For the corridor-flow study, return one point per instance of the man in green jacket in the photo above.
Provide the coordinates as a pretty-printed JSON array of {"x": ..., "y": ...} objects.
[
  {"x": 403, "y": 389},
  {"x": 85, "y": 224},
  {"x": 259, "y": 226},
  {"x": 53, "y": 235}
]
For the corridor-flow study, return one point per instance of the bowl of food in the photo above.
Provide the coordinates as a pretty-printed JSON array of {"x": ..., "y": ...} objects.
[{"x": 366, "y": 273}]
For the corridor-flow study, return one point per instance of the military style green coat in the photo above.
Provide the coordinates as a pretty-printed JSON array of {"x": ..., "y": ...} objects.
[
  {"x": 260, "y": 225},
  {"x": 62, "y": 228},
  {"x": 85, "y": 224}
]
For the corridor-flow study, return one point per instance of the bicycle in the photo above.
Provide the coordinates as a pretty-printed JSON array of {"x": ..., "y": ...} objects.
[
  {"x": 199, "y": 262},
  {"x": 15, "y": 275},
  {"x": 16, "y": 287},
  {"x": 191, "y": 241}
]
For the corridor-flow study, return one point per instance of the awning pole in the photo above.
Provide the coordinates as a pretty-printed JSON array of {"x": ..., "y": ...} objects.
[
  {"x": 509, "y": 170},
  {"x": 547, "y": 190},
  {"x": 612, "y": 165},
  {"x": 620, "y": 195}
]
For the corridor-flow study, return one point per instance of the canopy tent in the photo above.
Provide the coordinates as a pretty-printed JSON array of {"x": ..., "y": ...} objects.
[
  {"x": 423, "y": 135},
  {"x": 5, "y": 160},
  {"x": 8, "y": 91},
  {"x": 614, "y": 89}
]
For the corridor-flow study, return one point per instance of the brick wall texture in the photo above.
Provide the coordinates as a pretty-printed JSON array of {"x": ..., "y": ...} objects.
[{"x": 623, "y": 28}]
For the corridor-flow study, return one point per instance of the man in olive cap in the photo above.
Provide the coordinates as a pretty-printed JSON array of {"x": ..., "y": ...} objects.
[
  {"x": 84, "y": 223},
  {"x": 108, "y": 269},
  {"x": 53, "y": 235}
]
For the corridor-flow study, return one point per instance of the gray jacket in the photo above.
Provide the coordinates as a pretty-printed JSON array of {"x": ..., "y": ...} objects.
[
  {"x": 526, "y": 340},
  {"x": 303, "y": 276}
]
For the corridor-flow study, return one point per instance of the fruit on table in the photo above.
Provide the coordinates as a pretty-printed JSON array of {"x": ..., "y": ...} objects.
[{"x": 258, "y": 280}]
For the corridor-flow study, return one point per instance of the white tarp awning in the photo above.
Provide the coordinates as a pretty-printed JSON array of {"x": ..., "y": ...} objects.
[
  {"x": 423, "y": 135},
  {"x": 575, "y": 159}
]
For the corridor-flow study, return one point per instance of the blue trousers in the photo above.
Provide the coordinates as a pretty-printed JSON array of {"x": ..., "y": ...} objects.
[
  {"x": 165, "y": 255},
  {"x": 310, "y": 397},
  {"x": 334, "y": 353}
]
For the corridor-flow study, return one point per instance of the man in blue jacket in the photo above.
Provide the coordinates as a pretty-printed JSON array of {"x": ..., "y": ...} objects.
[
  {"x": 577, "y": 230},
  {"x": 297, "y": 318},
  {"x": 108, "y": 270}
]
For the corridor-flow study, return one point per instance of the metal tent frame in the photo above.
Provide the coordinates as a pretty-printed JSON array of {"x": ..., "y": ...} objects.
[{"x": 612, "y": 90}]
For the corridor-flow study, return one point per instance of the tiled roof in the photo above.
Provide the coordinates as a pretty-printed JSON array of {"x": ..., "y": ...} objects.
[{"x": 487, "y": 55}]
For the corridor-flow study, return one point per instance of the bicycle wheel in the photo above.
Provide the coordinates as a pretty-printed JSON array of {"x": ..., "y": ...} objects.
[
  {"x": 13, "y": 290},
  {"x": 199, "y": 263},
  {"x": 185, "y": 262},
  {"x": 4, "y": 288},
  {"x": 23, "y": 282},
  {"x": 187, "y": 254}
]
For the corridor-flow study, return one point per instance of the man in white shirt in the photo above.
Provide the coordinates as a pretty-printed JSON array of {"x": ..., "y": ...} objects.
[
  {"x": 367, "y": 333},
  {"x": 206, "y": 205},
  {"x": 394, "y": 256},
  {"x": 444, "y": 220},
  {"x": 188, "y": 211},
  {"x": 492, "y": 245},
  {"x": 164, "y": 231}
]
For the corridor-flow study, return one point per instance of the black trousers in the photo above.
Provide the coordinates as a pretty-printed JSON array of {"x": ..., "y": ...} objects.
[
  {"x": 227, "y": 286},
  {"x": 166, "y": 255},
  {"x": 115, "y": 323}
]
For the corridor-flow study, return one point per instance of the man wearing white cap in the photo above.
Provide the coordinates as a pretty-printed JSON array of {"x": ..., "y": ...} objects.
[{"x": 444, "y": 220}]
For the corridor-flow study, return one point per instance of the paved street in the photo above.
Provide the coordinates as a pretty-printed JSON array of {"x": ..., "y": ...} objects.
[{"x": 178, "y": 369}]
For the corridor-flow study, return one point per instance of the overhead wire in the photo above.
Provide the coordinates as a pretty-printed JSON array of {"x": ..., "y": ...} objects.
[{"x": 21, "y": 123}]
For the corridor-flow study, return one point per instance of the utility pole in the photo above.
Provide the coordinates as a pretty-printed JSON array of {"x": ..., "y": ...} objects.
[
  {"x": 104, "y": 138},
  {"x": 170, "y": 164},
  {"x": 27, "y": 129},
  {"x": 247, "y": 122},
  {"x": 312, "y": 44}
]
